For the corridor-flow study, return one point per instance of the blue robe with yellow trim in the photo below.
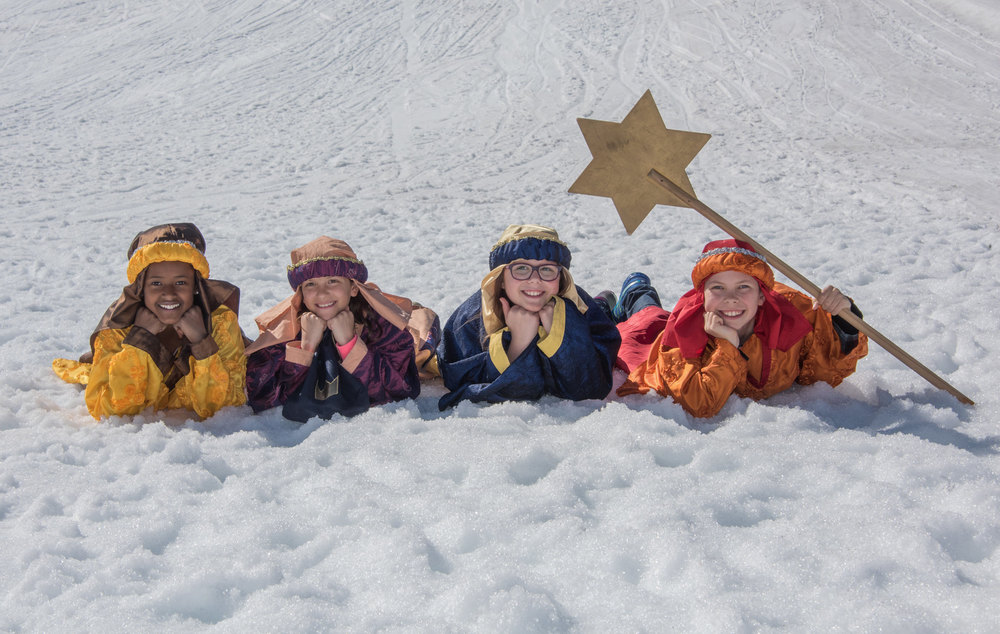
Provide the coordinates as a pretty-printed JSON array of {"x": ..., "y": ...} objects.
[{"x": 573, "y": 361}]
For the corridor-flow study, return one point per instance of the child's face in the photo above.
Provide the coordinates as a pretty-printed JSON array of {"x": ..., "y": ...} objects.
[
  {"x": 326, "y": 297},
  {"x": 168, "y": 290},
  {"x": 734, "y": 296},
  {"x": 533, "y": 293}
]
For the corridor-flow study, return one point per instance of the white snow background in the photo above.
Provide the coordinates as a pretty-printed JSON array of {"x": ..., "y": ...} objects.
[{"x": 857, "y": 139}]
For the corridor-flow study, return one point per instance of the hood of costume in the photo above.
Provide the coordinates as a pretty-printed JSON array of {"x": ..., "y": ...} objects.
[
  {"x": 324, "y": 257},
  {"x": 778, "y": 323},
  {"x": 524, "y": 242},
  {"x": 175, "y": 242}
]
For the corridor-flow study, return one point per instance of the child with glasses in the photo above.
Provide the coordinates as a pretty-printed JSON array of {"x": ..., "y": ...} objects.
[{"x": 529, "y": 330}]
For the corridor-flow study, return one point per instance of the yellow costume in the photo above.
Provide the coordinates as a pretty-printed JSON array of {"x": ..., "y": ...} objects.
[{"x": 133, "y": 369}]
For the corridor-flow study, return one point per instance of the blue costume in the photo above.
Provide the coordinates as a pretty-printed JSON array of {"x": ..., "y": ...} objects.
[{"x": 573, "y": 360}]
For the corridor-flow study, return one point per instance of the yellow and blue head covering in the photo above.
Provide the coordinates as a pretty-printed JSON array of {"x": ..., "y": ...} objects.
[
  {"x": 524, "y": 242},
  {"x": 529, "y": 242}
]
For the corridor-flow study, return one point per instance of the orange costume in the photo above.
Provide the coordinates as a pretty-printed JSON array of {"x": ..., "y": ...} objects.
[
  {"x": 129, "y": 368},
  {"x": 791, "y": 342}
]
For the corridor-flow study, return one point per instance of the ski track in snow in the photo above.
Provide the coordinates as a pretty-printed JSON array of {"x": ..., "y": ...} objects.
[{"x": 856, "y": 139}]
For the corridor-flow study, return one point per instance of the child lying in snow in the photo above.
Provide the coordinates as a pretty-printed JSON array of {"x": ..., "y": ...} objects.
[
  {"x": 338, "y": 345},
  {"x": 172, "y": 340},
  {"x": 529, "y": 330},
  {"x": 737, "y": 331}
]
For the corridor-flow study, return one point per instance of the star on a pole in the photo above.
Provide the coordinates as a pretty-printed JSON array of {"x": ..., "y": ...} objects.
[
  {"x": 625, "y": 152},
  {"x": 639, "y": 163}
]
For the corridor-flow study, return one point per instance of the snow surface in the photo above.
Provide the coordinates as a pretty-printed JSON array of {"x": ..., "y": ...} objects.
[{"x": 857, "y": 139}]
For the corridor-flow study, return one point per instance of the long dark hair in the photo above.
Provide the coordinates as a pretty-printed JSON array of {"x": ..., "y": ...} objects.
[{"x": 365, "y": 315}]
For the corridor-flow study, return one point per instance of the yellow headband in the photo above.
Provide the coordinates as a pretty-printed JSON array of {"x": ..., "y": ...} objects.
[{"x": 166, "y": 252}]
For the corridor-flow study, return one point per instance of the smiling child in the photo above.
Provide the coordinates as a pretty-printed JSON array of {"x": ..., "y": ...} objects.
[
  {"x": 172, "y": 340},
  {"x": 737, "y": 331},
  {"x": 338, "y": 345},
  {"x": 529, "y": 330}
]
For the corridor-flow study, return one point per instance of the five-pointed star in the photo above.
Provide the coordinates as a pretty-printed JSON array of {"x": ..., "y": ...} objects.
[{"x": 625, "y": 152}]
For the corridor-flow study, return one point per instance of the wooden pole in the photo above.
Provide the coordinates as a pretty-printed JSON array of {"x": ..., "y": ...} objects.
[{"x": 807, "y": 285}]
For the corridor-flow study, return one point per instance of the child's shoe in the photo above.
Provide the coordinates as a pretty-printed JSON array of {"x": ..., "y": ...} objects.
[
  {"x": 635, "y": 285},
  {"x": 606, "y": 301}
]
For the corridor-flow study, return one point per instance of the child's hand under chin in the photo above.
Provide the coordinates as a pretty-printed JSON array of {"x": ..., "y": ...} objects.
[
  {"x": 716, "y": 327},
  {"x": 312, "y": 331},
  {"x": 545, "y": 315},
  {"x": 523, "y": 326},
  {"x": 192, "y": 325},
  {"x": 520, "y": 321},
  {"x": 341, "y": 327}
]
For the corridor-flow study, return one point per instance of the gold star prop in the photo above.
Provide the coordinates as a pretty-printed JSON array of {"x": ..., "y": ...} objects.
[{"x": 625, "y": 152}]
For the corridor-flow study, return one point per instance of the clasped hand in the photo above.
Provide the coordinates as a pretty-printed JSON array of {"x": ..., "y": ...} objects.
[
  {"x": 715, "y": 326},
  {"x": 190, "y": 326},
  {"x": 524, "y": 324},
  {"x": 830, "y": 299},
  {"x": 341, "y": 326}
]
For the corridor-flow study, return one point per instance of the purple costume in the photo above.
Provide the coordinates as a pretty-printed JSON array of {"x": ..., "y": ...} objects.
[
  {"x": 382, "y": 358},
  {"x": 387, "y": 369}
]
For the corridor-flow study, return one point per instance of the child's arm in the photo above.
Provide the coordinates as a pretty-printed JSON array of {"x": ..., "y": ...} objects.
[
  {"x": 484, "y": 372},
  {"x": 833, "y": 352},
  {"x": 276, "y": 372},
  {"x": 386, "y": 366},
  {"x": 124, "y": 378},
  {"x": 701, "y": 385},
  {"x": 833, "y": 301},
  {"x": 273, "y": 375},
  {"x": 218, "y": 368},
  {"x": 579, "y": 351}
]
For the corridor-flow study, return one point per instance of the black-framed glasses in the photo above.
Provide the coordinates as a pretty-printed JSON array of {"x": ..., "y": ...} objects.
[{"x": 521, "y": 271}]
